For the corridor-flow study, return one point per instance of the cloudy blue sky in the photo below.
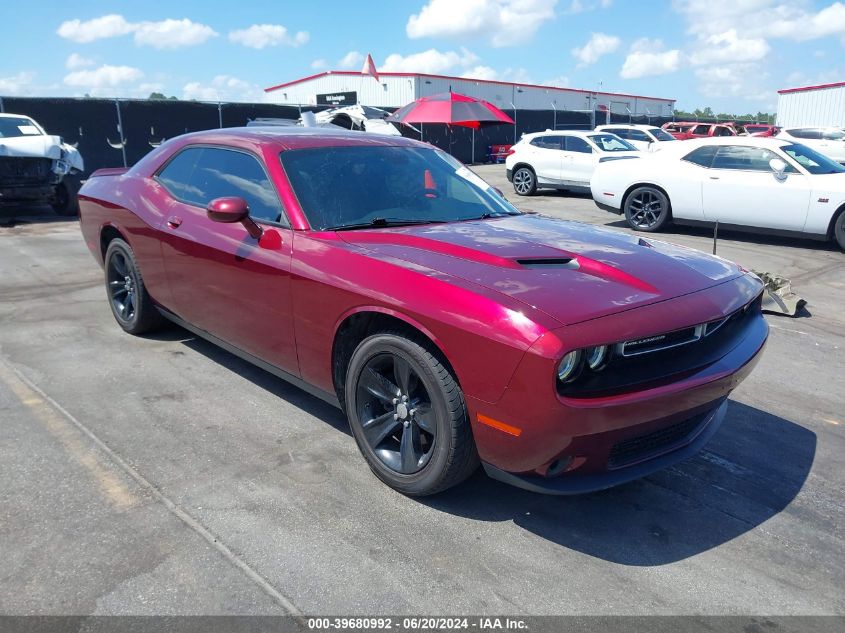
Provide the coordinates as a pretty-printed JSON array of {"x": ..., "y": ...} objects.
[{"x": 732, "y": 55}]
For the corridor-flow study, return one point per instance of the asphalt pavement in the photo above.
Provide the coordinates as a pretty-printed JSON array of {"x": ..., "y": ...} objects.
[{"x": 162, "y": 475}]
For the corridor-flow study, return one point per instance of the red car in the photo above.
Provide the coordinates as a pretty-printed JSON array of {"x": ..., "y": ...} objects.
[
  {"x": 385, "y": 277},
  {"x": 761, "y": 129},
  {"x": 685, "y": 130}
]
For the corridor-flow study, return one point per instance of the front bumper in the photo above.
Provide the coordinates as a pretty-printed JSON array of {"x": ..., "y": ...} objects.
[
  {"x": 607, "y": 207},
  {"x": 28, "y": 193},
  {"x": 509, "y": 174},
  {"x": 580, "y": 483},
  {"x": 576, "y": 443}
]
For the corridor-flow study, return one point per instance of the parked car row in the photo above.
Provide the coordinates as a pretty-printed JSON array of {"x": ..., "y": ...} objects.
[{"x": 776, "y": 184}]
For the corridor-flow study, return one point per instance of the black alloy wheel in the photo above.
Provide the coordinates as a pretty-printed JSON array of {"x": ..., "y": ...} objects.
[
  {"x": 394, "y": 410},
  {"x": 408, "y": 416},
  {"x": 131, "y": 305},
  {"x": 646, "y": 209}
]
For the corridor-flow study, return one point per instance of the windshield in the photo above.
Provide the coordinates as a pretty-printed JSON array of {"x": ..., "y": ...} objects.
[
  {"x": 17, "y": 126},
  {"x": 611, "y": 143},
  {"x": 811, "y": 160},
  {"x": 661, "y": 135},
  {"x": 343, "y": 187}
]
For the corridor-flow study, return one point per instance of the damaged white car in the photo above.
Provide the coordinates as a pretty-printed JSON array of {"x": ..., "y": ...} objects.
[{"x": 33, "y": 165}]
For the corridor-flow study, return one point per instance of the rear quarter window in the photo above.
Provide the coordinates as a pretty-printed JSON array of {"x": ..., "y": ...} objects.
[{"x": 702, "y": 156}]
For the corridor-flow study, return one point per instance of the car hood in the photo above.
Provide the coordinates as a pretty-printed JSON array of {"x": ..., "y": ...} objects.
[
  {"x": 41, "y": 146},
  {"x": 571, "y": 271}
]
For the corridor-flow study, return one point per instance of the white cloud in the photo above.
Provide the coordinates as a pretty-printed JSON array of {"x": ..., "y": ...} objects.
[
  {"x": 351, "y": 60},
  {"x": 598, "y": 45},
  {"x": 96, "y": 29},
  {"x": 16, "y": 84},
  {"x": 223, "y": 88},
  {"x": 738, "y": 81},
  {"x": 728, "y": 47},
  {"x": 319, "y": 64},
  {"x": 170, "y": 34},
  {"x": 164, "y": 34},
  {"x": 262, "y": 35},
  {"x": 481, "y": 72},
  {"x": 103, "y": 80},
  {"x": 75, "y": 61},
  {"x": 647, "y": 58},
  {"x": 763, "y": 18},
  {"x": 431, "y": 61},
  {"x": 581, "y": 6},
  {"x": 560, "y": 81},
  {"x": 503, "y": 22}
]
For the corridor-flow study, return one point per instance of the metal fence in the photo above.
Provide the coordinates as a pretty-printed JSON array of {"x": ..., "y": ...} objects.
[{"x": 118, "y": 132}]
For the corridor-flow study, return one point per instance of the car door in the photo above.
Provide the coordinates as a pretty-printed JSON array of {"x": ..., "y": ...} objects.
[
  {"x": 546, "y": 158},
  {"x": 579, "y": 161},
  {"x": 742, "y": 189},
  {"x": 221, "y": 280},
  {"x": 639, "y": 139}
]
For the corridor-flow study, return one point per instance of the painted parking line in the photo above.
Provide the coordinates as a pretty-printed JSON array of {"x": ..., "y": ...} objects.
[{"x": 100, "y": 461}]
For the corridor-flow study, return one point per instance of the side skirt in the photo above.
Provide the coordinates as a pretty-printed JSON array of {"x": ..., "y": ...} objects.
[
  {"x": 325, "y": 396},
  {"x": 821, "y": 237}
]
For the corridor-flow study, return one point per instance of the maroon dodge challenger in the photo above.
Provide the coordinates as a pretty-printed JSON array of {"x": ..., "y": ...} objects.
[{"x": 385, "y": 277}]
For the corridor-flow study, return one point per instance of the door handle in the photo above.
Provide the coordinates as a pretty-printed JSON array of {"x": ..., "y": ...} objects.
[
  {"x": 714, "y": 178},
  {"x": 174, "y": 221}
]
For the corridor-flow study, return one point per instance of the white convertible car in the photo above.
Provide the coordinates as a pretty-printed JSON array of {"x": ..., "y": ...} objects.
[{"x": 766, "y": 185}]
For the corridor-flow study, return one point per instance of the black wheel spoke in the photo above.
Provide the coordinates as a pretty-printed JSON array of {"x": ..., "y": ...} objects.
[
  {"x": 403, "y": 375},
  {"x": 424, "y": 417},
  {"x": 409, "y": 449},
  {"x": 378, "y": 385},
  {"x": 119, "y": 265},
  {"x": 378, "y": 428}
]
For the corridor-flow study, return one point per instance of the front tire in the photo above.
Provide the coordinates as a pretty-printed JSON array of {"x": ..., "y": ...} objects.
[
  {"x": 647, "y": 209},
  {"x": 64, "y": 202},
  {"x": 130, "y": 303},
  {"x": 524, "y": 181},
  {"x": 408, "y": 416}
]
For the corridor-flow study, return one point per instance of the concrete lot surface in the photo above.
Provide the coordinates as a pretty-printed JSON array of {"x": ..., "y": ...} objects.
[{"x": 161, "y": 475}]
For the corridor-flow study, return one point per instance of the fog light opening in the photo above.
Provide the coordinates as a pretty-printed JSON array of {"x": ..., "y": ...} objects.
[{"x": 558, "y": 466}]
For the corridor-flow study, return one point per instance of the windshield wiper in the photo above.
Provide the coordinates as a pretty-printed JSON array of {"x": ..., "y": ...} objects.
[{"x": 379, "y": 222}]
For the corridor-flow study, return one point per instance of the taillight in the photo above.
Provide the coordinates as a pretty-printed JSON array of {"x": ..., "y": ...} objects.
[{"x": 509, "y": 152}]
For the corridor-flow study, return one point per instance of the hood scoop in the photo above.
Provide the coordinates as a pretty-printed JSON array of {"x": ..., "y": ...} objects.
[{"x": 549, "y": 262}]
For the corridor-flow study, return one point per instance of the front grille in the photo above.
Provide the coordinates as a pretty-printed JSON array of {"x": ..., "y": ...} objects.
[
  {"x": 15, "y": 170},
  {"x": 653, "y": 444}
]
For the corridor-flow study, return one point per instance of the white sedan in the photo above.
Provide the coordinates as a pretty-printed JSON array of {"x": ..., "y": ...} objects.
[
  {"x": 562, "y": 160},
  {"x": 749, "y": 183},
  {"x": 830, "y": 141}
]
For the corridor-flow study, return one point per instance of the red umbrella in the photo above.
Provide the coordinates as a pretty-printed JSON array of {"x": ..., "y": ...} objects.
[{"x": 451, "y": 108}]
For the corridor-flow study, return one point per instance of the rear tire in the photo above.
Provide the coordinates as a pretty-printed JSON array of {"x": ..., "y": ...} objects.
[
  {"x": 524, "y": 181},
  {"x": 839, "y": 230},
  {"x": 130, "y": 303},
  {"x": 408, "y": 415}
]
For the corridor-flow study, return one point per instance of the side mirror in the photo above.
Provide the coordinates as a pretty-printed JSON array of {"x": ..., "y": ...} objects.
[
  {"x": 779, "y": 168},
  {"x": 230, "y": 210}
]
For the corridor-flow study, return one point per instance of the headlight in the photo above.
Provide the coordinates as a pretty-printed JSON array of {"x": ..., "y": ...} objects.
[
  {"x": 596, "y": 356},
  {"x": 569, "y": 366}
]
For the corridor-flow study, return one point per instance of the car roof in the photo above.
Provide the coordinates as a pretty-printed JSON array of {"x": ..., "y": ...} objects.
[
  {"x": 581, "y": 133},
  {"x": 10, "y": 115},
  {"x": 744, "y": 141},
  {"x": 630, "y": 126},
  {"x": 284, "y": 138}
]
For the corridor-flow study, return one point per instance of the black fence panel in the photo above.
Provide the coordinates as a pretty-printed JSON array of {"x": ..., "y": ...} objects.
[
  {"x": 147, "y": 123},
  {"x": 95, "y": 127}
]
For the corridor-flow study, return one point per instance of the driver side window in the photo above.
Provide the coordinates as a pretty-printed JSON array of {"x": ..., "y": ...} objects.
[{"x": 198, "y": 175}]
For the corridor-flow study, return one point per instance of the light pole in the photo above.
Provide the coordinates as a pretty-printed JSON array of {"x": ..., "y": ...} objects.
[{"x": 554, "y": 125}]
